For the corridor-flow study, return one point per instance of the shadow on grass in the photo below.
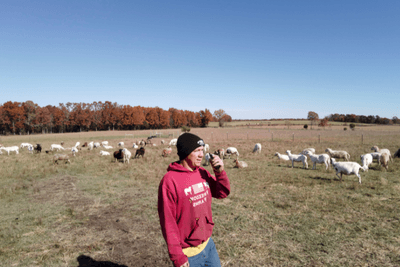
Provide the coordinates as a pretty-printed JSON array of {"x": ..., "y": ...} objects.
[
  {"x": 86, "y": 261},
  {"x": 323, "y": 179}
]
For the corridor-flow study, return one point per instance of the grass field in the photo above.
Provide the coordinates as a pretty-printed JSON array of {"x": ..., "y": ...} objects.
[{"x": 95, "y": 211}]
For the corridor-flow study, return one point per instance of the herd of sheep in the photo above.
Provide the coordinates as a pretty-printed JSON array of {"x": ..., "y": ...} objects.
[{"x": 382, "y": 156}]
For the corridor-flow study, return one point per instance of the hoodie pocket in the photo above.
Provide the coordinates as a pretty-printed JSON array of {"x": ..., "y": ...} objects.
[{"x": 201, "y": 231}]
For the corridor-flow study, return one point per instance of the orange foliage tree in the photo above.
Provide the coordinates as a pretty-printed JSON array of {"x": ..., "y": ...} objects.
[
  {"x": 206, "y": 117},
  {"x": 13, "y": 116}
]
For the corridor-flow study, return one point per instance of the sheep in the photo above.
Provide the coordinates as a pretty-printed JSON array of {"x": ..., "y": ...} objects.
[
  {"x": 30, "y": 149},
  {"x": 127, "y": 155},
  {"x": 38, "y": 148},
  {"x": 107, "y": 147},
  {"x": 167, "y": 151},
  {"x": 90, "y": 145},
  {"x": 173, "y": 142},
  {"x": 119, "y": 154},
  {"x": 257, "y": 148},
  {"x": 135, "y": 146},
  {"x": 140, "y": 152},
  {"x": 282, "y": 156},
  {"x": 382, "y": 150},
  {"x": 220, "y": 152},
  {"x": 121, "y": 144},
  {"x": 141, "y": 143},
  {"x": 240, "y": 164},
  {"x": 347, "y": 168},
  {"x": 298, "y": 158},
  {"x": 384, "y": 160},
  {"x": 85, "y": 144},
  {"x": 104, "y": 143},
  {"x": 10, "y": 149},
  {"x": 338, "y": 154},
  {"x": 207, "y": 158},
  {"x": 56, "y": 146},
  {"x": 322, "y": 158},
  {"x": 232, "y": 151},
  {"x": 397, "y": 154},
  {"x": 96, "y": 144},
  {"x": 74, "y": 150},
  {"x": 376, "y": 155},
  {"x": 162, "y": 142},
  {"x": 104, "y": 153},
  {"x": 77, "y": 144},
  {"x": 312, "y": 150},
  {"x": 62, "y": 143},
  {"x": 25, "y": 145},
  {"x": 206, "y": 148},
  {"x": 366, "y": 160},
  {"x": 58, "y": 157}
]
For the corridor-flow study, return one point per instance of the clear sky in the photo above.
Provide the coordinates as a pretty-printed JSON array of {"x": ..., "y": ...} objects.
[{"x": 253, "y": 59}]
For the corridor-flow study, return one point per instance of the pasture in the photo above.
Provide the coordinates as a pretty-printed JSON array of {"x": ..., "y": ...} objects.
[{"x": 96, "y": 211}]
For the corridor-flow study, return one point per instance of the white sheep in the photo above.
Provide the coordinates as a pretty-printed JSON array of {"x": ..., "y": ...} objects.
[
  {"x": 366, "y": 160},
  {"x": 127, "y": 155},
  {"x": 104, "y": 153},
  {"x": 310, "y": 149},
  {"x": 91, "y": 145},
  {"x": 232, "y": 151},
  {"x": 162, "y": 142},
  {"x": 207, "y": 158},
  {"x": 298, "y": 158},
  {"x": 77, "y": 144},
  {"x": 25, "y": 145},
  {"x": 104, "y": 143},
  {"x": 382, "y": 150},
  {"x": 320, "y": 158},
  {"x": 58, "y": 157},
  {"x": 338, "y": 154},
  {"x": 121, "y": 144},
  {"x": 347, "y": 168},
  {"x": 220, "y": 152},
  {"x": 384, "y": 160},
  {"x": 173, "y": 142},
  {"x": 240, "y": 164},
  {"x": 257, "y": 148},
  {"x": 56, "y": 146},
  {"x": 107, "y": 147},
  {"x": 206, "y": 148},
  {"x": 135, "y": 146},
  {"x": 74, "y": 150},
  {"x": 96, "y": 144},
  {"x": 30, "y": 149},
  {"x": 10, "y": 149},
  {"x": 282, "y": 156}
]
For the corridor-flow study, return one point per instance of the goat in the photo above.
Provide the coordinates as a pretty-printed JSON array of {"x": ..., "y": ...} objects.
[
  {"x": 173, "y": 142},
  {"x": 56, "y": 146},
  {"x": 104, "y": 143},
  {"x": 206, "y": 148},
  {"x": 121, "y": 144},
  {"x": 167, "y": 151},
  {"x": 118, "y": 155},
  {"x": 347, "y": 168},
  {"x": 96, "y": 144},
  {"x": 282, "y": 156},
  {"x": 85, "y": 144},
  {"x": 338, "y": 154},
  {"x": 298, "y": 158},
  {"x": 220, "y": 152},
  {"x": 25, "y": 145},
  {"x": 10, "y": 149},
  {"x": 140, "y": 152},
  {"x": 322, "y": 159},
  {"x": 104, "y": 153},
  {"x": 382, "y": 150},
  {"x": 366, "y": 160},
  {"x": 240, "y": 164},
  {"x": 58, "y": 157},
  {"x": 107, "y": 147},
  {"x": 38, "y": 148},
  {"x": 232, "y": 151}
]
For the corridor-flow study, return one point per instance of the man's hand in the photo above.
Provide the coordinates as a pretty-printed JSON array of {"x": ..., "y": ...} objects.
[
  {"x": 186, "y": 264},
  {"x": 216, "y": 161}
]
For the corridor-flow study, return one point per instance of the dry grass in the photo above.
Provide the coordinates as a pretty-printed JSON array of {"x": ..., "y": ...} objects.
[{"x": 274, "y": 216}]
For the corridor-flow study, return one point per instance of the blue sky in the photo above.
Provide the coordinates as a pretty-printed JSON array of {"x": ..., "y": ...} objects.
[{"x": 253, "y": 59}]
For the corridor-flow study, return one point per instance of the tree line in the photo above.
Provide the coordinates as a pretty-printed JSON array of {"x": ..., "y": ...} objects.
[
  {"x": 28, "y": 117},
  {"x": 314, "y": 118}
]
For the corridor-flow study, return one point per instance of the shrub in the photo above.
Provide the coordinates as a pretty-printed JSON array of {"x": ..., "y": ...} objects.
[
  {"x": 185, "y": 129},
  {"x": 305, "y": 126},
  {"x": 345, "y": 128},
  {"x": 352, "y": 126}
]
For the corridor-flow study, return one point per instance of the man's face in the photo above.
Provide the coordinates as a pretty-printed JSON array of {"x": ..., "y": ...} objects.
[{"x": 194, "y": 159}]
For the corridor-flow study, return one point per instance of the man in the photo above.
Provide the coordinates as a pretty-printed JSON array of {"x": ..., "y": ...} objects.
[{"x": 184, "y": 204}]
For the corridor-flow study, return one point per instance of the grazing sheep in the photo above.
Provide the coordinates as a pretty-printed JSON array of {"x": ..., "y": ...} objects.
[
  {"x": 382, "y": 150},
  {"x": 167, "y": 151},
  {"x": 207, "y": 158},
  {"x": 74, "y": 150},
  {"x": 142, "y": 143},
  {"x": 96, "y": 144},
  {"x": 298, "y": 158},
  {"x": 121, "y": 144},
  {"x": 119, "y": 155},
  {"x": 24, "y": 145},
  {"x": 85, "y": 144},
  {"x": 58, "y": 157},
  {"x": 310, "y": 149},
  {"x": 220, "y": 152},
  {"x": 140, "y": 152},
  {"x": 240, "y": 164},
  {"x": 282, "y": 156},
  {"x": 173, "y": 142},
  {"x": 135, "y": 146},
  {"x": 107, "y": 147},
  {"x": 62, "y": 143},
  {"x": 77, "y": 144},
  {"x": 321, "y": 159},
  {"x": 162, "y": 142},
  {"x": 366, "y": 160},
  {"x": 30, "y": 149},
  {"x": 104, "y": 153},
  {"x": 104, "y": 143},
  {"x": 91, "y": 145},
  {"x": 384, "y": 160},
  {"x": 232, "y": 151},
  {"x": 257, "y": 148},
  {"x": 397, "y": 154},
  {"x": 338, "y": 154},
  {"x": 10, "y": 149},
  {"x": 347, "y": 168},
  {"x": 38, "y": 148},
  {"x": 56, "y": 146},
  {"x": 376, "y": 155}
]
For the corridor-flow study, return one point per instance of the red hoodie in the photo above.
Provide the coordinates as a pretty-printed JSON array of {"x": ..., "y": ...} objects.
[{"x": 184, "y": 207}]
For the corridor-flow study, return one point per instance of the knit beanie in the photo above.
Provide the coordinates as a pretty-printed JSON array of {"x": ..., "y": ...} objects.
[{"x": 186, "y": 143}]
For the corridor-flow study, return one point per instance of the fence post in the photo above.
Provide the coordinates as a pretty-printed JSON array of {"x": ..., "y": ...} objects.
[
  {"x": 212, "y": 136},
  {"x": 272, "y": 136},
  {"x": 319, "y": 139},
  {"x": 362, "y": 138},
  {"x": 293, "y": 137}
]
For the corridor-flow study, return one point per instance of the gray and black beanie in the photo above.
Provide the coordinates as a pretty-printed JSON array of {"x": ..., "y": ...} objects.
[{"x": 186, "y": 143}]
